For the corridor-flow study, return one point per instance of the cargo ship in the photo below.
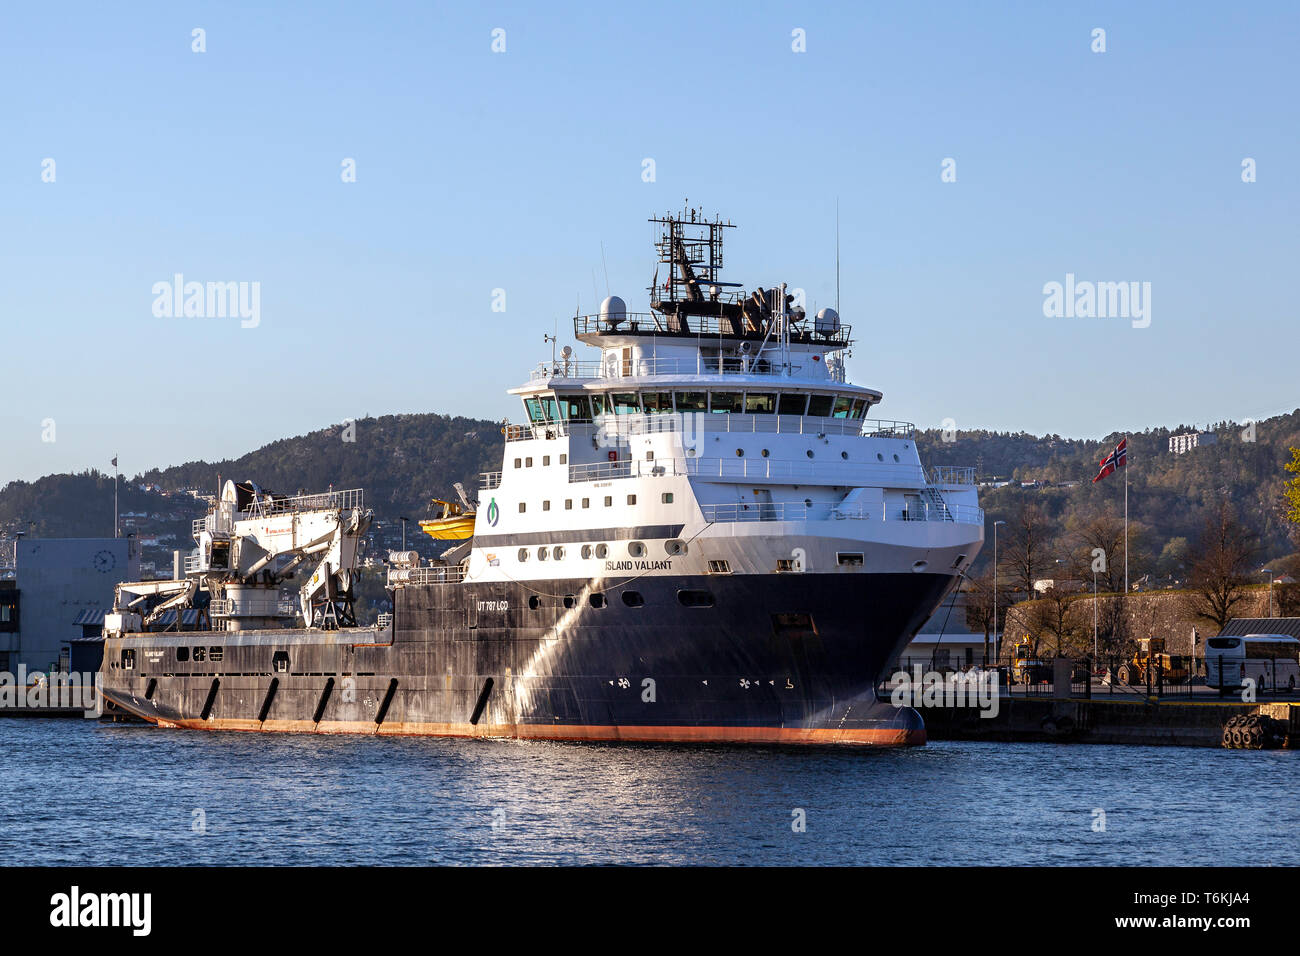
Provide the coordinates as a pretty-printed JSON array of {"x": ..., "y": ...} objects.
[{"x": 701, "y": 534}]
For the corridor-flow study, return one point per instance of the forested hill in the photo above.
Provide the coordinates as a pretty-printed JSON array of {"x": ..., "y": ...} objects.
[{"x": 403, "y": 460}]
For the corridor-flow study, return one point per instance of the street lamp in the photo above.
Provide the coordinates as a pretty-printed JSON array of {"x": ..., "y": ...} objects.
[
  {"x": 1270, "y": 572},
  {"x": 997, "y": 646}
]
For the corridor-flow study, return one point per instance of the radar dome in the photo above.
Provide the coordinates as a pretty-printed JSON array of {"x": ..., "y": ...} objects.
[
  {"x": 613, "y": 310},
  {"x": 828, "y": 321}
]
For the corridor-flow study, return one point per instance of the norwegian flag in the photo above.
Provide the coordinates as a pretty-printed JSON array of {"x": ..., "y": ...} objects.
[{"x": 1116, "y": 459}]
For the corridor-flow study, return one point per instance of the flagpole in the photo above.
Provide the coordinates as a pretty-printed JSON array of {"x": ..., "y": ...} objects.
[
  {"x": 1126, "y": 515},
  {"x": 116, "y": 532}
]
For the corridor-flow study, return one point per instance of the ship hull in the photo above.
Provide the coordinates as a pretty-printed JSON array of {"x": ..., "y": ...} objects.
[{"x": 744, "y": 659}]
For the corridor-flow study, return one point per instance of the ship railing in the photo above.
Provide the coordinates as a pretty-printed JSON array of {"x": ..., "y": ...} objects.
[
  {"x": 346, "y": 500},
  {"x": 653, "y": 323},
  {"x": 952, "y": 475},
  {"x": 598, "y": 471},
  {"x": 488, "y": 480},
  {"x": 192, "y": 563},
  {"x": 634, "y": 368},
  {"x": 851, "y": 473},
  {"x": 697, "y": 422},
  {"x": 435, "y": 574},
  {"x": 881, "y": 428},
  {"x": 798, "y": 511}
]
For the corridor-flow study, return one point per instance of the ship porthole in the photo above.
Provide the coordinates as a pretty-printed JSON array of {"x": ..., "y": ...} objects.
[
  {"x": 534, "y": 602},
  {"x": 523, "y": 554},
  {"x": 740, "y": 453},
  {"x": 810, "y": 453},
  {"x": 559, "y": 553},
  {"x": 543, "y": 554},
  {"x": 879, "y": 457},
  {"x": 636, "y": 549},
  {"x": 764, "y": 452},
  {"x": 675, "y": 546},
  {"x": 602, "y": 550},
  {"x": 586, "y": 551},
  {"x": 844, "y": 455},
  {"x": 920, "y": 566}
]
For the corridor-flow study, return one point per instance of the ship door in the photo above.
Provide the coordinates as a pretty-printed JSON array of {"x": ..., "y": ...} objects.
[
  {"x": 471, "y": 611},
  {"x": 766, "y": 510}
]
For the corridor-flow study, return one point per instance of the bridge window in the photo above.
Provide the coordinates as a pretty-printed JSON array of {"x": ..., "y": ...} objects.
[
  {"x": 625, "y": 403},
  {"x": 860, "y": 407},
  {"x": 692, "y": 401},
  {"x": 726, "y": 402},
  {"x": 843, "y": 405},
  {"x": 550, "y": 408},
  {"x": 657, "y": 402},
  {"x": 760, "y": 403},
  {"x": 599, "y": 405},
  {"x": 534, "y": 408},
  {"x": 575, "y": 408},
  {"x": 819, "y": 406},
  {"x": 792, "y": 403}
]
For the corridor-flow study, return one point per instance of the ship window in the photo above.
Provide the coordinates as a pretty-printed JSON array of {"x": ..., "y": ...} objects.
[
  {"x": 568, "y": 504},
  {"x": 182, "y": 653},
  {"x": 599, "y": 404},
  {"x": 128, "y": 659},
  {"x": 692, "y": 401},
  {"x": 784, "y": 564},
  {"x": 609, "y": 501},
  {"x": 216, "y": 654},
  {"x": 569, "y": 600},
  {"x": 719, "y": 567},
  {"x": 200, "y": 654},
  {"x": 636, "y": 549},
  {"x": 534, "y": 602},
  {"x": 633, "y": 599},
  {"x": 675, "y": 546},
  {"x": 849, "y": 559},
  {"x": 528, "y": 463},
  {"x": 280, "y": 661},
  {"x": 819, "y": 406},
  {"x": 546, "y": 505},
  {"x": 596, "y": 599},
  {"x": 843, "y": 405},
  {"x": 859, "y": 408},
  {"x": 575, "y": 408},
  {"x": 760, "y": 403},
  {"x": 649, "y": 456},
  {"x": 626, "y": 403},
  {"x": 564, "y": 459},
  {"x": 550, "y": 408},
  {"x": 811, "y": 453},
  {"x": 725, "y": 402},
  {"x": 523, "y": 506},
  {"x": 543, "y": 554},
  {"x": 519, "y": 462},
  {"x": 586, "y": 551},
  {"x": 523, "y": 555},
  {"x": 534, "y": 408},
  {"x": 657, "y": 402},
  {"x": 559, "y": 553},
  {"x": 792, "y": 403},
  {"x": 586, "y": 502},
  {"x": 631, "y": 499},
  {"x": 666, "y": 497},
  {"x": 695, "y": 598},
  {"x": 546, "y": 459}
]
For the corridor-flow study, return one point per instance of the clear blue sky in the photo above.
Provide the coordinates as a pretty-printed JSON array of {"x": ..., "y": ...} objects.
[{"x": 478, "y": 171}]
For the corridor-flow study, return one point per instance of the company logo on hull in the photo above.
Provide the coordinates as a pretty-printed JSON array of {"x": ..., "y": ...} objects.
[{"x": 493, "y": 513}]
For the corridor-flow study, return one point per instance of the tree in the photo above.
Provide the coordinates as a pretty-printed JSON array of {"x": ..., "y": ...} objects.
[
  {"x": 980, "y": 608},
  {"x": 1104, "y": 532},
  {"x": 1221, "y": 569},
  {"x": 1291, "y": 490},
  {"x": 1024, "y": 554},
  {"x": 1050, "y": 617}
]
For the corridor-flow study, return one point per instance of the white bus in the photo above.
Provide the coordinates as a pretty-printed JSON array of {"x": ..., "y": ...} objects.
[{"x": 1271, "y": 660}]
